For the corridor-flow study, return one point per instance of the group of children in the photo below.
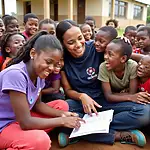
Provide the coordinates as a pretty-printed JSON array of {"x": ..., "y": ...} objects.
[{"x": 122, "y": 78}]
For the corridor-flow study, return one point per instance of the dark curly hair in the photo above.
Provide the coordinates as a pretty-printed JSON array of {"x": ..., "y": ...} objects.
[{"x": 112, "y": 20}]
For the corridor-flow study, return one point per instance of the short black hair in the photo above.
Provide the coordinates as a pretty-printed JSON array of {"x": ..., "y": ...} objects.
[
  {"x": 112, "y": 20},
  {"x": 112, "y": 31},
  {"x": 139, "y": 25},
  {"x": 5, "y": 16},
  {"x": 7, "y": 20},
  {"x": 145, "y": 28},
  {"x": 89, "y": 18},
  {"x": 126, "y": 48},
  {"x": 47, "y": 21},
  {"x": 84, "y": 25},
  {"x": 129, "y": 28},
  {"x": 29, "y": 15}
]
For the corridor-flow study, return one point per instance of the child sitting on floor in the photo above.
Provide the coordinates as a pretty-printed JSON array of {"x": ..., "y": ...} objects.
[
  {"x": 118, "y": 73},
  {"x": 51, "y": 90},
  {"x": 143, "y": 72}
]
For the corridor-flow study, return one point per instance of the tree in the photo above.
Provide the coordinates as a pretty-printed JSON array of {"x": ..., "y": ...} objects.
[{"x": 148, "y": 15}]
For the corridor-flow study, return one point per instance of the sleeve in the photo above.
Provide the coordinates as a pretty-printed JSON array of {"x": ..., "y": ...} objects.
[
  {"x": 103, "y": 74},
  {"x": 133, "y": 69},
  {"x": 55, "y": 77},
  {"x": 14, "y": 80}
]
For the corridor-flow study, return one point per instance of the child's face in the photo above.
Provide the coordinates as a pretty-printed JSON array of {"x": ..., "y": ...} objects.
[
  {"x": 14, "y": 44},
  {"x": 102, "y": 39},
  {"x": 50, "y": 28},
  {"x": 131, "y": 35},
  {"x": 31, "y": 26},
  {"x": 91, "y": 24},
  {"x": 13, "y": 26},
  {"x": 87, "y": 32},
  {"x": 143, "y": 39},
  {"x": 113, "y": 57},
  {"x": 111, "y": 24},
  {"x": 143, "y": 69},
  {"x": 58, "y": 67},
  {"x": 45, "y": 62},
  {"x": 2, "y": 28}
]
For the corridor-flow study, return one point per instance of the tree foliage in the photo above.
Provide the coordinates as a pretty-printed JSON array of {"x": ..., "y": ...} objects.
[{"x": 148, "y": 14}]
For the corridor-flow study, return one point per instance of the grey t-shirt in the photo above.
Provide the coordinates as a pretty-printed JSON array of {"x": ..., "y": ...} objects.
[{"x": 117, "y": 84}]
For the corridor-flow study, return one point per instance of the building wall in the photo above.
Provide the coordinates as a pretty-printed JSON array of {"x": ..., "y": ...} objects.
[
  {"x": 37, "y": 8},
  {"x": 63, "y": 9},
  {"x": 99, "y": 10}
]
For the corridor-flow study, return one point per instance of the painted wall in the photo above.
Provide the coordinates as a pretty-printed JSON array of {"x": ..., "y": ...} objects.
[{"x": 99, "y": 10}]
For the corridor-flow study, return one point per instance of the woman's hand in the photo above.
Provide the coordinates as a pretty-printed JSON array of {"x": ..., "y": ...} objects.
[
  {"x": 141, "y": 98},
  {"x": 72, "y": 122},
  {"x": 88, "y": 104}
]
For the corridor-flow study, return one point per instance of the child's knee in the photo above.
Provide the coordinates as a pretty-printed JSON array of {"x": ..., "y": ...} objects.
[
  {"x": 63, "y": 105},
  {"x": 41, "y": 141}
]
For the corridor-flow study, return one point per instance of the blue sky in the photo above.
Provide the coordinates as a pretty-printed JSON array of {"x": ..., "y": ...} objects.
[{"x": 10, "y": 6}]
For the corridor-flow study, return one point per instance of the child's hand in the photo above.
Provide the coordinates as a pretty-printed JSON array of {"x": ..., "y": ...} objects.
[
  {"x": 126, "y": 40},
  {"x": 141, "y": 98},
  {"x": 88, "y": 104},
  {"x": 72, "y": 122},
  {"x": 69, "y": 114}
]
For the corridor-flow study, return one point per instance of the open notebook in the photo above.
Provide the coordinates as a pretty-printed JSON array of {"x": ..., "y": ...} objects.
[{"x": 94, "y": 124}]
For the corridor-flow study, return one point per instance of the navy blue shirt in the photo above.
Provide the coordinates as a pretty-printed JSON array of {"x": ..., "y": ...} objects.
[{"x": 82, "y": 72}]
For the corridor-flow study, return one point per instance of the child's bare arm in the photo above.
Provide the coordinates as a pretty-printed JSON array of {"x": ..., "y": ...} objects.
[
  {"x": 136, "y": 57},
  {"x": 114, "y": 97},
  {"x": 53, "y": 89},
  {"x": 133, "y": 86}
]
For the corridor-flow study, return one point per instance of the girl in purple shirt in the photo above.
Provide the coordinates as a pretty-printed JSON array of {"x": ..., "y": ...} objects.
[{"x": 24, "y": 119}]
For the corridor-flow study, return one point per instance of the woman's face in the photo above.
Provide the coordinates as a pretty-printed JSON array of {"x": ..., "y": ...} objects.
[
  {"x": 74, "y": 41},
  {"x": 45, "y": 62}
]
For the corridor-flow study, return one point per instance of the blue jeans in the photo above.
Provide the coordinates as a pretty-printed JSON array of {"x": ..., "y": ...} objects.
[{"x": 127, "y": 116}]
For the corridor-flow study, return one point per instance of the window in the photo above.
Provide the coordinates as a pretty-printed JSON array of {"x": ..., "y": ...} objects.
[
  {"x": 138, "y": 11},
  {"x": 120, "y": 8}
]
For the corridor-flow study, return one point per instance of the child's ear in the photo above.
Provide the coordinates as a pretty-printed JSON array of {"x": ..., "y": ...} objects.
[
  {"x": 7, "y": 49},
  {"x": 124, "y": 59},
  {"x": 24, "y": 24}
]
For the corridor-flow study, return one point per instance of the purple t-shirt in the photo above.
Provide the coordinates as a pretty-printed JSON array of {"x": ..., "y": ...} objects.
[
  {"x": 16, "y": 78},
  {"x": 52, "y": 77}
]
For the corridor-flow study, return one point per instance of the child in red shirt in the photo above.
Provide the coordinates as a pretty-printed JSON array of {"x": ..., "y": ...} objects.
[
  {"x": 31, "y": 25},
  {"x": 143, "y": 72}
]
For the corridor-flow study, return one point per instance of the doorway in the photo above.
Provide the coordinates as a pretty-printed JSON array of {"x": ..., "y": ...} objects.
[
  {"x": 80, "y": 11},
  {"x": 54, "y": 10},
  {"x": 27, "y": 7}
]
